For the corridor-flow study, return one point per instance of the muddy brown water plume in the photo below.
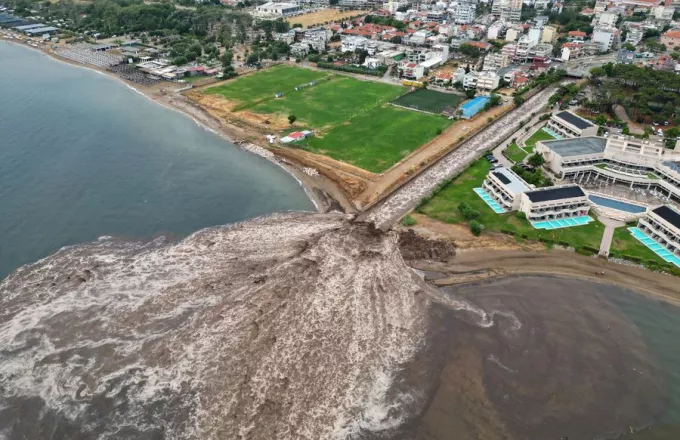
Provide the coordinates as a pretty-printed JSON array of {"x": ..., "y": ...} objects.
[{"x": 290, "y": 326}]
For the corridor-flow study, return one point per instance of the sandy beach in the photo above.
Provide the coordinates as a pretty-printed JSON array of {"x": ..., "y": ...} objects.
[{"x": 324, "y": 193}]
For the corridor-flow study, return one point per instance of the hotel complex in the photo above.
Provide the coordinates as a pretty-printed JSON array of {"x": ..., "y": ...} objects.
[{"x": 582, "y": 163}]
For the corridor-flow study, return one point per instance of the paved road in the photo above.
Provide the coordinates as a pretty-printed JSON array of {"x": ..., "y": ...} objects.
[
  {"x": 609, "y": 226},
  {"x": 391, "y": 208}
]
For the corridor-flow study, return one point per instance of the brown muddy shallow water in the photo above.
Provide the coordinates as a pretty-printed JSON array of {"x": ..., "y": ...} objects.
[{"x": 564, "y": 362}]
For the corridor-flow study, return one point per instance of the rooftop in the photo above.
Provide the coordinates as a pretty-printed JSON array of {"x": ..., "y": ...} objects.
[
  {"x": 577, "y": 146},
  {"x": 563, "y": 192},
  {"x": 574, "y": 120},
  {"x": 510, "y": 180},
  {"x": 668, "y": 214}
]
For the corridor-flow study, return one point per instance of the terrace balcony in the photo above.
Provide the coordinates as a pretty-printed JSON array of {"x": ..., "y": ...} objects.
[{"x": 658, "y": 232}]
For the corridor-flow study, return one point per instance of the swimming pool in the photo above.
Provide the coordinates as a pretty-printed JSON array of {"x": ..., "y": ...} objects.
[
  {"x": 552, "y": 133},
  {"x": 474, "y": 106},
  {"x": 562, "y": 223},
  {"x": 655, "y": 247},
  {"x": 498, "y": 209},
  {"x": 616, "y": 204}
]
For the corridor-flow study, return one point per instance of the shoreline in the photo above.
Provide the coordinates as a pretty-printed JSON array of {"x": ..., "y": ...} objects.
[{"x": 322, "y": 192}]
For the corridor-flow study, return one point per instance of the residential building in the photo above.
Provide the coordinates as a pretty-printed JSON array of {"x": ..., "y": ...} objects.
[
  {"x": 352, "y": 43},
  {"x": 411, "y": 70},
  {"x": 541, "y": 21},
  {"x": 671, "y": 38},
  {"x": 487, "y": 80},
  {"x": 635, "y": 36},
  {"x": 512, "y": 12},
  {"x": 465, "y": 13},
  {"x": 299, "y": 49},
  {"x": 541, "y": 4},
  {"x": 608, "y": 19},
  {"x": 566, "y": 124},
  {"x": 470, "y": 80},
  {"x": 549, "y": 34},
  {"x": 495, "y": 61},
  {"x": 274, "y": 10},
  {"x": 509, "y": 51},
  {"x": 606, "y": 37},
  {"x": 664, "y": 13},
  {"x": 512, "y": 34},
  {"x": 354, "y": 4},
  {"x": 541, "y": 51},
  {"x": 495, "y": 30},
  {"x": 534, "y": 36},
  {"x": 438, "y": 16},
  {"x": 576, "y": 36},
  {"x": 523, "y": 46}
]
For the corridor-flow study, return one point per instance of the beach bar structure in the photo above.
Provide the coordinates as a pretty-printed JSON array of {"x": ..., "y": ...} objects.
[{"x": 41, "y": 30}]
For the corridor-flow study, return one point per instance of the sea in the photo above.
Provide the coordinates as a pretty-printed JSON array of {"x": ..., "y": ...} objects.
[{"x": 83, "y": 156}]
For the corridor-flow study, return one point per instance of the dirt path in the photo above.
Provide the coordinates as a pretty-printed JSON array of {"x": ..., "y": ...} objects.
[{"x": 622, "y": 115}]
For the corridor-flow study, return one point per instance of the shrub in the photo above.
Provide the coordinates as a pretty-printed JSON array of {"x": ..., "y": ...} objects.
[
  {"x": 467, "y": 211},
  {"x": 408, "y": 220},
  {"x": 476, "y": 227},
  {"x": 521, "y": 215}
]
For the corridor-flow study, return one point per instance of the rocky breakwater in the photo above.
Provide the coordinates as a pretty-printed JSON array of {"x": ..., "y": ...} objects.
[{"x": 296, "y": 325}]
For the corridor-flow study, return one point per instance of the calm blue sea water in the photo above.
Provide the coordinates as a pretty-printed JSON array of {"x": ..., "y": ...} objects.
[{"x": 82, "y": 155}]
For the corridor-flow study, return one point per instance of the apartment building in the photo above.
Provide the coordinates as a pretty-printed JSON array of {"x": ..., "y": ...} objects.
[
  {"x": 495, "y": 61},
  {"x": 606, "y": 37},
  {"x": 487, "y": 81},
  {"x": 465, "y": 13}
]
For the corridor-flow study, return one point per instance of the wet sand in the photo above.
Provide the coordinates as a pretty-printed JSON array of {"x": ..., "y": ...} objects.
[{"x": 574, "y": 367}]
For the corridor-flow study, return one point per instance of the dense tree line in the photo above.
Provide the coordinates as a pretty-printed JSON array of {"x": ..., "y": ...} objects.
[{"x": 647, "y": 94}]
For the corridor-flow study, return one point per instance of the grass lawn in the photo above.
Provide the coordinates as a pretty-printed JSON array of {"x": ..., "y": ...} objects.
[
  {"x": 379, "y": 138},
  {"x": 252, "y": 88},
  {"x": 515, "y": 153},
  {"x": 330, "y": 102},
  {"x": 444, "y": 206},
  {"x": 540, "y": 135},
  {"x": 429, "y": 100},
  {"x": 625, "y": 244}
]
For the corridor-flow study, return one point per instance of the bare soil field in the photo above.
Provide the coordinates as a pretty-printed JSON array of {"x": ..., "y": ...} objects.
[{"x": 323, "y": 16}]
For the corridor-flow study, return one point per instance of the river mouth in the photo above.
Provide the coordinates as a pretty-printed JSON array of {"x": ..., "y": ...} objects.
[{"x": 562, "y": 360}]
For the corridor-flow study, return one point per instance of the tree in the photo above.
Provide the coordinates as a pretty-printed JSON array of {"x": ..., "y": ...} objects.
[
  {"x": 536, "y": 160},
  {"x": 252, "y": 59},
  {"x": 470, "y": 93},
  {"x": 469, "y": 50},
  {"x": 292, "y": 119},
  {"x": 476, "y": 228},
  {"x": 597, "y": 72},
  {"x": 628, "y": 46},
  {"x": 601, "y": 120},
  {"x": 518, "y": 100}
]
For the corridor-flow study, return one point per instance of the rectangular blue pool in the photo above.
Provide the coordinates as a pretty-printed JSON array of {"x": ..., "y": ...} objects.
[
  {"x": 562, "y": 223},
  {"x": 498, "y": 209},
  {"x": 616, "y": 204},
  {"x": 655, "y": 247},
  {"x": 474, "y": 106}
]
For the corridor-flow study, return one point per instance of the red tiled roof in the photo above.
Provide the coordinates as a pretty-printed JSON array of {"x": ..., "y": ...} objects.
[
  {"x": 577, "y": 34},
  {"x": 672, "y": 33}
]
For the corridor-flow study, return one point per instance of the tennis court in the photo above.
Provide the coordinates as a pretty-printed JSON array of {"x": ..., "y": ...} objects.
[
  {"x": 474, "y": 106},
  {"x": 562, "y": 223},
  {"x": 429, "y": 101}
]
